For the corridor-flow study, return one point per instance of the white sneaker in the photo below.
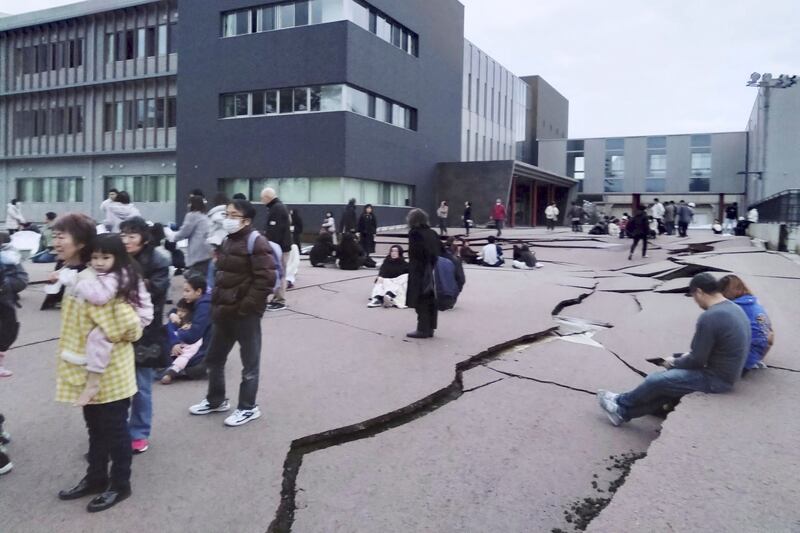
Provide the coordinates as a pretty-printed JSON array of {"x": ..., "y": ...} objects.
[
  {"x": 608, "y": 402},
  {"x": 374, "y": 303},
  {"x": 539, "y": 265},
  {"x": 204, "y": 408},
  {"x": 241, "y": 417}
]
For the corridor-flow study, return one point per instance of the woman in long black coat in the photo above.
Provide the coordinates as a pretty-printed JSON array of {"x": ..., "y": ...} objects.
[
  {"x": 368, "y": 228},
  {"x": 423, "y": 250}
]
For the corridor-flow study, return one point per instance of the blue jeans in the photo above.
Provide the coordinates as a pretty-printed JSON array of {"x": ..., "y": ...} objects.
[
  {"x": 45, "y": 256},
  {"x": 664, "y": 387},
  {"x": 142, "y": 405}
]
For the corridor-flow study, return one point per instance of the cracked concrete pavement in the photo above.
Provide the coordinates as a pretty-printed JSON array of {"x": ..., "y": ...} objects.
[{"x": 491, "y": 426}]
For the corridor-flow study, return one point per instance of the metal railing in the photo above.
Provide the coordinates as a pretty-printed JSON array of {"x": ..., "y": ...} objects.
[{"x": 783, "y": 208}]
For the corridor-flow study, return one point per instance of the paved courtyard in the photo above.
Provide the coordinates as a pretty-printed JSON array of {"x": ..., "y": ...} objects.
[{"x": 491, "y": 426}]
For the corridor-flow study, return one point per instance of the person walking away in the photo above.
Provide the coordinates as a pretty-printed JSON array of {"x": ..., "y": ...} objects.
[
  {"x": 46, "y": 253},
  {"x": 714, "y": 364},
  {"x": 106, "y": 413},
  {"x": 278, "y": 231},
  {"x": 551, "y": 214},
  {"x": 367, "y": 229},
  {"x": 638, "y": 228},
  {"x": 762, "y": 336},
  {"x": 499, "y": 216},
  {"x": 195, "y": 228},
  {"x": 13, "y": 280},
  {"x": 576, "y": 213},
  {"x": 296, "y": 228},
  {"x": 149, "y": 352},
  {"x": 441, "y": 214},
  {"x": 684, "y": 216},
  {"x": 246, "y": 274},
  {"x": 657, "y": 212},
  {"x": 329, "y": 226},
  {"x": 14, "y": 219},
  {"x": 111, "y": 197},
  {"x": 669, "y": 217},
  {"x": 423, "y": 252},
  {"x": 349, "y": 217},
  {"x": 467, "y": 217},
  {"x": 731, "y": 218},
  {"x": 216, "y": 234}
]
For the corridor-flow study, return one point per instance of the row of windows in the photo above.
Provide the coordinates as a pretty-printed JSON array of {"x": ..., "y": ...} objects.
[
  {"x": 153, "y": 188},
  {"x": 48, "y": 56},
  {"x": 316, "y": 99},
  {"x": 142, "y": 42},
  {"x": 140, "y": 113},
  {"x": 52, "y": 121},
  {"x": 326, "y": 191},
  {"x": 306, "y": 12},
  {"x": 46, "y": 190}
]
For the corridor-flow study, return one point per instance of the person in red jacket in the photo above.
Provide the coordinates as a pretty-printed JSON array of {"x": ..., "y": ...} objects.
[{"x": 499, "y": 216}]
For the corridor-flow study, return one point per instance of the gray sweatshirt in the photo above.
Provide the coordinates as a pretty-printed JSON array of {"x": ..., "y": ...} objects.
[
  {"x": 720, "y": 344},
  {"x": 195, "y": 227}
]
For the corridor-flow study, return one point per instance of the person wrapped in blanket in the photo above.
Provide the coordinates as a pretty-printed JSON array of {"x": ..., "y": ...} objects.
[{"x": 389, "y": 289}]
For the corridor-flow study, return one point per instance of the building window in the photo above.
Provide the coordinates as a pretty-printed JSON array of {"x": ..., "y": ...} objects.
[
  {"x": 656, "y": 164},
  {"x": 49, "y": 56},
  {"x": 615, "y": 165},
  {"x": 700, "y": 180},
  {"x": 304, "y": 12},
  {"x": 50, "y": 190},
  {"x": 321, "y": 98},
  {"x": 323, "y": 190},
  {"x": 156, "y": 188},
  {"x": 576, "y": 162},
  {"x": 50, "y": 121}
]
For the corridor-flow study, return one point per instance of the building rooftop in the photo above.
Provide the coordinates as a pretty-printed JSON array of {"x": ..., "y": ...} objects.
[{"x": 53, "y": 14}]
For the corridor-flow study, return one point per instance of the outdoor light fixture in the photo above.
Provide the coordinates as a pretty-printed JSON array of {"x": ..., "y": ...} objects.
[{"x": 784, "y": 81}]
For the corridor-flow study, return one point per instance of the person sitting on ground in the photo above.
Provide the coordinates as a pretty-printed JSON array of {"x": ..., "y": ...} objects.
[
  {"x": 524, "y": 258},
  {"x": 492, "y": 254},
  {"x": 188, "y": 345},
  {"x": 467, "y": 255},
  {"x": 716, "y": 227},
  {"x": 323, "y": 251},
  {"x": 350, "y": 254},
  {"x": 601, "y": 228},
  {"x": 761, "y": 332},
  {"x": 718, "y": 354},
  {"x": 46, "y": 253},
  {"x": 389, "y": 289},
  {"x": 741, "y": 227}
]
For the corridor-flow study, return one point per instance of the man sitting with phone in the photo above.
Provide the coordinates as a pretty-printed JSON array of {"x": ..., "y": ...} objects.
[{"x": 714, "y": 364}]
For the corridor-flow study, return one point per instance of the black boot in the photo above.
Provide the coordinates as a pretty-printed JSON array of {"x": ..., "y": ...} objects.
[
  {"x": 83, "y": 488},
  {"x": 109, "y": 499}
]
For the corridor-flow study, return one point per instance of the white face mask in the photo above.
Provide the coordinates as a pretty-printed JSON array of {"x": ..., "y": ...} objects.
[{"x": 231, "y": 225}]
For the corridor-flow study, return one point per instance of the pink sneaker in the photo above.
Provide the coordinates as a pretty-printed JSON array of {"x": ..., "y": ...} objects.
[{"x": 140, "y": 446}]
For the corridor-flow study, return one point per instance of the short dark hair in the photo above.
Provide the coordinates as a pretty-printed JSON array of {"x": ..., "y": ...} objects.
[
  {"x": 705, "y": 282},
  {"x": 492, "y": 239},
  {"x": 50, "y": 215},
  {"x": 196, "y": 203},
  {"x": 81, "y": 228},
  {"x": 197, "y": 192},
  {"x": 136, "y": 225},
  {"x": 221, "y": 199},
  {"x": 123, "y": 197},
  {"x": 245, "y": 208},
  {"x": 197, "y": 282},
  {"x": 239, "y": 196},
  {"x": 112, "y": 190}
]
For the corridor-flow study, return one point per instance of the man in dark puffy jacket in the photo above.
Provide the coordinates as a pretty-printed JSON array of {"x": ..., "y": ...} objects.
[
  {"x": 279, "y": 231},
  {"x": 245, "y": 276}
]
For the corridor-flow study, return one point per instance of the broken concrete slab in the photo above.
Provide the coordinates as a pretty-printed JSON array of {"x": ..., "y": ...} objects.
[
  {"x": 479, "y": 376},
  {"x": 681, "y": 285},
  {"x": 574, "y": 365},
  {"x": 648, "y": 270},
  {"x": 763, "y": 264},
  {"x": 627, "y": 285},
  {"x": 605, "y": 307},
  {"x": 715, "y": 450},
  {"x": 432, "y": 474}
]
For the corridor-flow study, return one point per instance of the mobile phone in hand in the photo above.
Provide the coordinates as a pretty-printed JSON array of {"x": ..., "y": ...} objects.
[{"x": 658, "y": 361}]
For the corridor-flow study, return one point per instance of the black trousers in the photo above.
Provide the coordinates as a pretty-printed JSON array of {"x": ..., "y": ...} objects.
[
  {"x": 368, "y": 242},
  {"x": 466, "y": 227},
  {"x": 109, "y": 438},
  {"x": 551, "y": 224},
  {"x": 427, "y": 315},
  {"x": 636, "y": 240},
  {"x": 9, "y": 326},
  {"x": 246, "y": 330},
  {"x": 499, "y": 224},
  {"x": 443, "y": 225},
  {"x": 683, "y": 228},
  {"x": 576, "y": 225}
]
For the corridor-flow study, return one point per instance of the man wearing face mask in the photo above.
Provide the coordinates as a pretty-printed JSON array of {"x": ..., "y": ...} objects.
[{"x": 245, "y": 276}]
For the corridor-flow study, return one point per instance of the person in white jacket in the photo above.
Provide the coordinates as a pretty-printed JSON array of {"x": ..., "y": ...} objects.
[
  {"x": 112, "y": 197},
  {"x": 216, "y": 233},
  {"x": 657, "y": 212},
  {"x": 14, "y": 218},
  {"x": 551, "y": 214},
  {"x": 120, "y": 210}
]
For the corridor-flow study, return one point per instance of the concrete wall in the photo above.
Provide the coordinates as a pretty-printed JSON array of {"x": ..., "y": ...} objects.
[
  {"x": 548, "y": 116},
  {"x": 321, "y": 144},
  {"x": 771, "y": 235},
  {"x": 552, "y": 156},
  {"x": 478, "y": 182},
  {"x": 774, "y": 131}
]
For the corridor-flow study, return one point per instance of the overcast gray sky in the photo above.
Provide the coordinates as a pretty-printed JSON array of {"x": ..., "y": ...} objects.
[{"x": 632, "y": 67}]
